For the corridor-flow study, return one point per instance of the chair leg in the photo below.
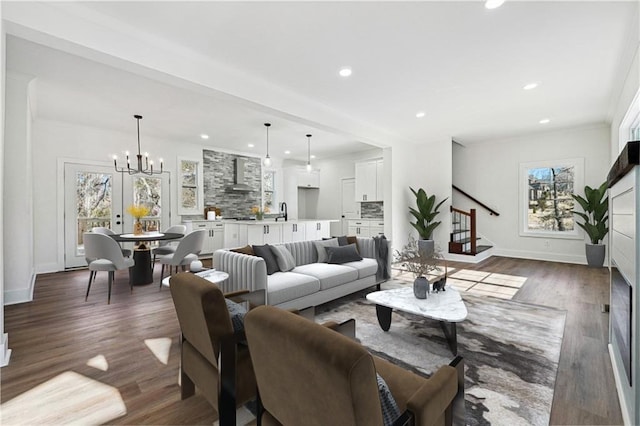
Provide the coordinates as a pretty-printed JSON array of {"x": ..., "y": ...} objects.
[
  {"x": 162, "y": 276},
  {"x": 187, "y": 387},
  {"x": 92, "y": 276},
  {"x": 111, "y": 276}
]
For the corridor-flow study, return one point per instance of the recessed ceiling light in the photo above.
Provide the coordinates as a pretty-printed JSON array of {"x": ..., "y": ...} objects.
[
  {"x": 420, "y": 114},
  {"x": 544, "y": 121},
  {"x": 493, "y": 4},
  {"x": 204, "y": 136},
  {"x": 287, "y": 152},
  {"x": 250, "y": 145},
  {"x": 530, "y": 86},
  {"x": 313, "y": 156},
  {"x": 345, "y": 71}
]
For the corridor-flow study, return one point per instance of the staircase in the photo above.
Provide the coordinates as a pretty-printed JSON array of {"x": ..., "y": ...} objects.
[{"x": 464, "y": 238}]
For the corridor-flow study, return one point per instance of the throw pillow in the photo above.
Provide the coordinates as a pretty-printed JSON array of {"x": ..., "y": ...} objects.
[
  {"x": 236, "y": 313},
  {"x": 343, "y": 254},
  {"x": 244, "y": 250},
  {"x": 390, "y": 410},
  {"x": 353, "y": 240},
  {"x": 266, "y": 253},
  {"x": 321, "y": 248},
  {"x": 285, "y": 259}
]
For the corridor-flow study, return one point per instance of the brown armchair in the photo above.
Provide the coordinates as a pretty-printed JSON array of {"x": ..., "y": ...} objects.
[
  {"x": 308, "y": 374},
  {"x": 208, "y": 335}
]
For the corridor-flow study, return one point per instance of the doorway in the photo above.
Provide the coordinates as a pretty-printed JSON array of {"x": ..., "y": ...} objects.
[{"x": 349, "y": 206}]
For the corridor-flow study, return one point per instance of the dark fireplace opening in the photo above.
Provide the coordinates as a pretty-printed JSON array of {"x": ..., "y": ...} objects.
[{"x": 621, "y": 298}]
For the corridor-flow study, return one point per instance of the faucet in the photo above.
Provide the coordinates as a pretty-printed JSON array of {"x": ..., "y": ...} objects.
[{"x": 283, "y": 212}]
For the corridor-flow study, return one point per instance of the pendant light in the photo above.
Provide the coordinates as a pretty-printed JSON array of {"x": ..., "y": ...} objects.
[
  {"x": 267, "y": 159},
  {"x": 148, "y": 165},
  {"x": 308, "y": 153}
]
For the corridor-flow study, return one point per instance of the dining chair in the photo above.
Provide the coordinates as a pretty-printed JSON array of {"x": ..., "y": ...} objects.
[
  {"x": 168, "y": 247},
  {"x": 105, "y": 255},
  {"x": 107, "y": 231},
  {"x": 185, "y": 253}
]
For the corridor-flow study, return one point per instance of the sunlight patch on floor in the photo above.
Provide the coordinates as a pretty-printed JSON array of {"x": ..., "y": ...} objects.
[
  {"x": 159, "y": 348},
  {"x": 68, "y": 398},
  {"x": 99, "y": 362}
]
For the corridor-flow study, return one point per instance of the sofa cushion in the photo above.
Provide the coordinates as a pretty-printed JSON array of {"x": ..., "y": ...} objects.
[
  {"x": 329, "y": 275},
  {"x": 285, "y": 259},
  {"x": 270, "y": 260},
  {"x": 285, "y": 286},
  {"x": 244, "y": 250},
  {"x": 365, "y": 267},
  {"x": 344, "y": 254},
  {"x": 321, "y": 248}
]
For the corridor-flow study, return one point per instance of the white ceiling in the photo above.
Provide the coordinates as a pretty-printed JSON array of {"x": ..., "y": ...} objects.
[{"x": 461, "y": 64}]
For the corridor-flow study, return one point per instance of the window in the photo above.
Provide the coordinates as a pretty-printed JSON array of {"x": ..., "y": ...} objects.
[
  {"x": 546, "y": 202},
  {"x": 190, "y": 190},
  {"x": 269, "y": 189},
  {"x": 147, "y": 191}
]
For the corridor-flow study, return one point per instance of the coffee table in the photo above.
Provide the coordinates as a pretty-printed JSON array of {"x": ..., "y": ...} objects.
[
  {"x": 447, "y": 307},
  {"x": 211, "y": 275}
]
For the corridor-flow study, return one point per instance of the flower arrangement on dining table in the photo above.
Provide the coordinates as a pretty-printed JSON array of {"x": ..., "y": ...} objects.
[
  {"x": 259, "y": 212},
  {"x": 138, "y": 211}
]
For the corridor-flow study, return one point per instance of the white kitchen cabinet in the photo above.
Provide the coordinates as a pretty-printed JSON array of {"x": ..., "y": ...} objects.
[
  {"x": 292, "y": 232},
  {"x": 366, "y": 227},
  {"x": 317, "y": 229},
  {"x": 260, "y": 234},
  {"x": 308, "y": 179},
  {"x": 376, "y": 228},
  {"x": 367, "y": 180},
  {"x": 214, "y": 235},
  {"x": 235, "y": 235}
]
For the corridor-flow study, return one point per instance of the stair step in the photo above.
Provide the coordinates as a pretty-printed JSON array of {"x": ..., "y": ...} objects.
[
  {"x": 466, "y": 240},
  {"x": 460, "y": 231},
  {"x": 479, "y": 249}
]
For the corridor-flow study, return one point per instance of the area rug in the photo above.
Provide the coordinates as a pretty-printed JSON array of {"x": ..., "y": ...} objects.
[{"x": 510, "y": 350}]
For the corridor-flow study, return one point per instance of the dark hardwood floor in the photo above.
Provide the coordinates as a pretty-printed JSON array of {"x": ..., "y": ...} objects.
[{"x": 60, "y": 332}]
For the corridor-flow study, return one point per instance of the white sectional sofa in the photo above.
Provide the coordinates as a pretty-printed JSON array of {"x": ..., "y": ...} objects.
[{"x": 309, "y": 283}]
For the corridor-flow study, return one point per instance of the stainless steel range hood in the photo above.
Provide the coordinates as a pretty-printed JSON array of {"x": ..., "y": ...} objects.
[{"x": 239, "y": 185}]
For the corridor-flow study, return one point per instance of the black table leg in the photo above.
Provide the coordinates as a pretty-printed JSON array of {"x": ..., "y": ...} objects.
[
  {"x": 451, "y": 333},
  {"x": 141, "y": 273},
  {"x": 384, "y": 316}
]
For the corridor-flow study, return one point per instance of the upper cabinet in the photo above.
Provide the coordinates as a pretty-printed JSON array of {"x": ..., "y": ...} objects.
[
  {"x": 369, "y": 180},
  {"x": 308, "y": 179},
  {"x": 190, "y": 186}
]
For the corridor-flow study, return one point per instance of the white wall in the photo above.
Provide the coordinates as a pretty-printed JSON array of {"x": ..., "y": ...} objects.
[
  {"x": 19, "y": 274},
  {"x": 490, "y": 173},
  {"x": 425, "y": 166}
]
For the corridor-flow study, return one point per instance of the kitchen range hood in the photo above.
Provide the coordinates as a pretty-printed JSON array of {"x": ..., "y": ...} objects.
[{"x": 238, "y": 184}]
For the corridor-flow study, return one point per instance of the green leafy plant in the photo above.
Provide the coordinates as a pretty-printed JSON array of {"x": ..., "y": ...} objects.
[
  {"x": 596, "y": 208},
  {"x": 426, "y": 211}
]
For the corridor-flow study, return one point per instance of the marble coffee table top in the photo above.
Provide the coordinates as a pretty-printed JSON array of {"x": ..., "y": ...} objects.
[{"x": 443, "y": 306}]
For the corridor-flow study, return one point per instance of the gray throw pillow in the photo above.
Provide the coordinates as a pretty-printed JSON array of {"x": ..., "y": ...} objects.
[
  {"x": 344, "y": 254},
  {"x": 270, "y": 260},
  {"x": 390, "y": 410},
  {"x": 285, "y": 259},
  {"x": 321, "y": 248},
  {"x": 236, "y": 313}
]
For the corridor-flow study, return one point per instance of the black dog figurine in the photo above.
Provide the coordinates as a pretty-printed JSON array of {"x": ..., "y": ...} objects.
[{"x": 439, "y": 285}]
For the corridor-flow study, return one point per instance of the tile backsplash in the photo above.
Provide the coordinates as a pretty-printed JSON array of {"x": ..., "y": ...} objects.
[
  {"x": 219, "y": 173},
  {"x": 372, "y": 210}
]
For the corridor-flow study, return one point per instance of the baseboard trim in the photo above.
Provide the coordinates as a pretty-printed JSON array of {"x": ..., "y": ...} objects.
[
  {"x": 5, "y": 352},
  {"x": 549, "y": 257},
  {"x": 13, "y": 297},
  {"x": 453, "y": 257},
  {"x": 616, "y": 375},
  {"x": 47, "y": 268}
]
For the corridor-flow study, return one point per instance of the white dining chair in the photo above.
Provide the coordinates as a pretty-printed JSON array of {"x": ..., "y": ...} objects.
[
  {"x": 185, "y": 253},
  {"x": 168, "y": 247},
  {"x": 104, "y": 254},
  {"x": 107, "y": 231}
]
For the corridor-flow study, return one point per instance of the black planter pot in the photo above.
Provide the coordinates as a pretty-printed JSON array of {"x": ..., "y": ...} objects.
[
  {"x": 595, "y": 255},
  {"x": 426, "y": 247}
]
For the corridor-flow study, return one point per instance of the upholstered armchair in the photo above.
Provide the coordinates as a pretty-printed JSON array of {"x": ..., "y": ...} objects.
[
  {"x": 214, "y": 357},
  {"x": 308, "y": 374}
]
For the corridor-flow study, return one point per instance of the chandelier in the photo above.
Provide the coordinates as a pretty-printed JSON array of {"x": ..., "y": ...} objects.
[{"x": 148, "y": 165}]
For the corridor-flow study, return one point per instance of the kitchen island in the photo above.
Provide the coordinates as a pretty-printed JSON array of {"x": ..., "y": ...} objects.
[{"x": 237, "y": 233}]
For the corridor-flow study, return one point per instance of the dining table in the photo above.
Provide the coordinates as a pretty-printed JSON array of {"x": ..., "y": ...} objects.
[{"x": 141, "y": 273}]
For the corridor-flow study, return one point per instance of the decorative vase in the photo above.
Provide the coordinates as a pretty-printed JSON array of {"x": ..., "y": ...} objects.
[
  {"x": 426, "y": 247},
  {"x": 421, "y": 287},
  {"x": 137, "y": 228},
  {"x": 259, "y": 216},
  {"x": 595, "y": 255}
]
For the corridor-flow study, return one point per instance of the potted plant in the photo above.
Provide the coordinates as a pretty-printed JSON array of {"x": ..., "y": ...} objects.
[
  {"x": 596, "y": 208},
  {"x": 413, "y": 259},
  {"x": 425, "y": 213}
]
